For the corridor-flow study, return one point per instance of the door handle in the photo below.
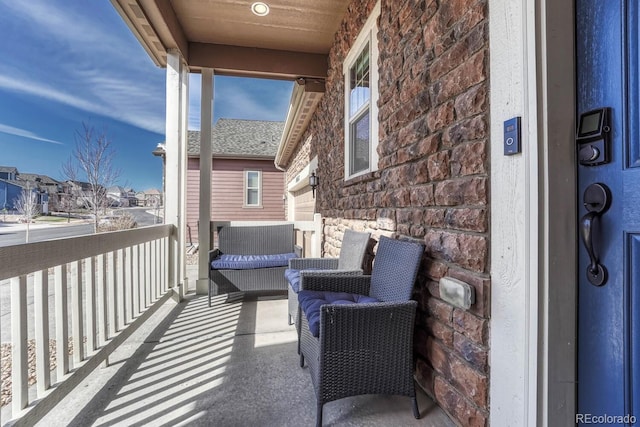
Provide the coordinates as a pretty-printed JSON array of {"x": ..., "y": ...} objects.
[
  {"x": 597, "y": 199},
  {"x": 596, "y": 272}
]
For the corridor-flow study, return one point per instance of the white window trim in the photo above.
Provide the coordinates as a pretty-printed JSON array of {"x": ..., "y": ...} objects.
[
  {"x": 368, "y": 34},
  {"x": 246, "y": 188}
]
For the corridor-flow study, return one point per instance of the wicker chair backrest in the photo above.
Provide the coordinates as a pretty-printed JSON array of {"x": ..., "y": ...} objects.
[
  {"x": 395, "y": 269},
  {"x": 354, "y": 246},
  {"x": 256, "y": 240}
]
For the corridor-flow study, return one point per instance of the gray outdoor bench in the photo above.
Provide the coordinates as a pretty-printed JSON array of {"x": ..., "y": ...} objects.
[{"x": 251, "y": 259}]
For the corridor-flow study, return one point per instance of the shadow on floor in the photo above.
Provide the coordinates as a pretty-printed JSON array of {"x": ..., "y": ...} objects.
[{"x": 234, "y": 364}]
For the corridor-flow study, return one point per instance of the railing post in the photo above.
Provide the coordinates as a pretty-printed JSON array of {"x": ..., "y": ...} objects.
[
  {"x": 136, "y": 280},
  {"x": 120, "y": 286},
  {"x": 62, "y": 327},
  {"x": 76, "y": 313},
  {"x": 154, "y": 271},
  {"x": 147, "y": 270},
  {"x": 41, "y": 327},
  {"x": 90, "y": 286},
  {"x": 128, "y": 286},
  {"x": 163, "y": 264},
  {"x": 101, "y": 272},
  {"x": 19, "y": 375},
  {"x": 112, "y": 292}
]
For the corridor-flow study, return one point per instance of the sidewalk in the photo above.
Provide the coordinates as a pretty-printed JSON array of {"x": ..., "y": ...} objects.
[
  {"x": 10, "y": 227},
  {"x": 13, "y": 226}
]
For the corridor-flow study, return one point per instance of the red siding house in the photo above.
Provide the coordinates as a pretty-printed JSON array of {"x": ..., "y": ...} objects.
[{"x": 245, "y": 184}]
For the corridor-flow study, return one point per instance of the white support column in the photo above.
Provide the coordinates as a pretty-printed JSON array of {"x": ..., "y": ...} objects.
[
  {"x": 184, "y": 127},
  {"x": 206, "y": 119},
  {"x": 176, "y": 165}
]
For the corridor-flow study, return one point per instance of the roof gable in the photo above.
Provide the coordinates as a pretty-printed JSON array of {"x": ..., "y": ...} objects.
[{"x": 8, "y": 169}]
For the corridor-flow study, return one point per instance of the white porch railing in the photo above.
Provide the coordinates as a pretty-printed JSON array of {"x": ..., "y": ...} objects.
[{"x": 114, "y": 278}]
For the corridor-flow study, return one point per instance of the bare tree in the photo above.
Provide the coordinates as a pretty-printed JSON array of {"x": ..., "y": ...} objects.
[
  {"x": 27, "y": 206},
  {"x": 92, "y": 163},
  {"x": 67, "y": 203}
]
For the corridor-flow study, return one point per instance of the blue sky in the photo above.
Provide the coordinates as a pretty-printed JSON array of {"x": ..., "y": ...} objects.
[{"x": 65, "y": 62}]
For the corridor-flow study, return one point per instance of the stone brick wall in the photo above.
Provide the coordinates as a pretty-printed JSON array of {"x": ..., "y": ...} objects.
[
  {"x": 300, "y": 158},
  {"x": 432, "y": 183}
]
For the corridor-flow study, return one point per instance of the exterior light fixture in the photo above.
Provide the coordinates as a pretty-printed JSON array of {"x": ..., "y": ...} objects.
[
  {"x": 259, "y": 8},
  {"x": 313, "y": 182}
]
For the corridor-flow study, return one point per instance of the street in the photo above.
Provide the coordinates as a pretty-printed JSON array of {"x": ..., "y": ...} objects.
[{"x": 15, "y": 234}]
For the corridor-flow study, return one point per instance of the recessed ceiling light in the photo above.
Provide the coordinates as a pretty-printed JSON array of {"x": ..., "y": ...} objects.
[{"x": 259, "y": 8}]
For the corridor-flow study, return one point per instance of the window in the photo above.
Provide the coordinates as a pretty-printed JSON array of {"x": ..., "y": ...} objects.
[
  {"x": 361, "y": 98},
  {"x": 253, "y": 186}
]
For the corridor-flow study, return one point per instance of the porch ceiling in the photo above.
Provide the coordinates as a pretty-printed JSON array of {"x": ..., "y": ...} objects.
[{"x": 292, "y": 41}]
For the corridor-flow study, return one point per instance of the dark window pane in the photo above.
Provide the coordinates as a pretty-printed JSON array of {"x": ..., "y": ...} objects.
[
  {"x": 359, "y": 153},
  {"x": 252, "y": 197}
]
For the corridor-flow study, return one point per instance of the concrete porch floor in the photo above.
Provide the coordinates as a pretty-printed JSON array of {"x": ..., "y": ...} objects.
[{"x": 234, "y": 364}]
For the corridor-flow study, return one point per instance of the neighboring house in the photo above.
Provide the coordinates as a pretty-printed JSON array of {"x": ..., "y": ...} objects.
[
  {"x": 245, "y": 184},
  {"x": 8, "y": 172},
  {"x": 455, "y": 123},
  {"x": 9, "y": 192},
  {"x": 47, "y": 189},
  {"x": 149, "y": 198},
  {"x": 45, "y": 185},
  {"x": 121, "y": 197},
  {"x": 141, "y": 197},
  {"x": 81, "y": 192}
]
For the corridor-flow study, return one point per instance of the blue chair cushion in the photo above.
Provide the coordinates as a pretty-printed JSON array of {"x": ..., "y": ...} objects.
[
  {"x": 249, "y": 262},
  {"x": 311, "y": 301},
  {"x": 293, "y": 277}
]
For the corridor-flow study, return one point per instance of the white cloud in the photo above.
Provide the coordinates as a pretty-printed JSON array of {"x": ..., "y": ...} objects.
[
  {"x": 82, "y": 61},
  {"x": 82, "y": 55},
  {"x": 118, "y": 100},
  {"x": 10, "y": 130}
]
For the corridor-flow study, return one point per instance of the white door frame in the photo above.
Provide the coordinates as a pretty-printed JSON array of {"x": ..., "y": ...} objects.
[{"x": 533, "y": 224}]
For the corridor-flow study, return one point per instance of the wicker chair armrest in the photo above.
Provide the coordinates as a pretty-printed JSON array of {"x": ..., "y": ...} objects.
[
  {"x": 331, "y": 281},
  {"x": 376, "y": 326},
  {"x": 317, "y": 263}
]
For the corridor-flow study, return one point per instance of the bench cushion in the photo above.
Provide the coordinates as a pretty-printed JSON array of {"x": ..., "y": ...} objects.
[
  {"x": 311, "y": 301},
  {"x": 250, "y": 262}
]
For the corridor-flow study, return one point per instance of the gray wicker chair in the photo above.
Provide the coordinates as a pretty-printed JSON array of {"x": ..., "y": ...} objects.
[
  {"x": 365, "y": 348},
  {"x": 352, "y": 255}
]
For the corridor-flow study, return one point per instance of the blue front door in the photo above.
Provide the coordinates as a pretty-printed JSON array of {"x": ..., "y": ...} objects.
[{"x": 607, "y": 67}]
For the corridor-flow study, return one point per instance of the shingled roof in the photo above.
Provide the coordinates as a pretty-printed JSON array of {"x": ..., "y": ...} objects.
[
  {"x": 240, "y": 138},
  {"x": 44, "y": 179},
  {"x": 9, "y": 169}
]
